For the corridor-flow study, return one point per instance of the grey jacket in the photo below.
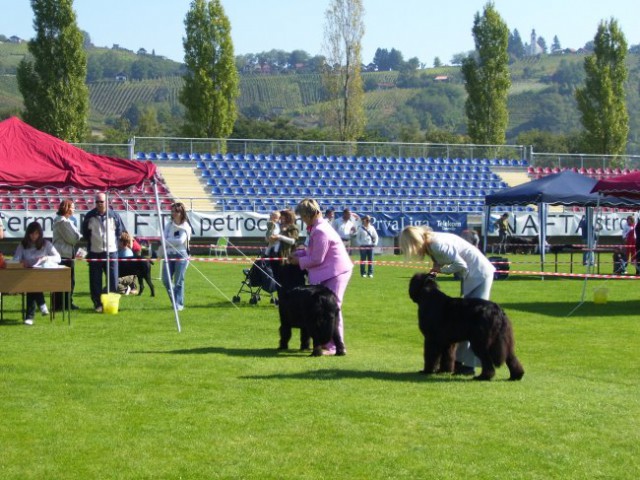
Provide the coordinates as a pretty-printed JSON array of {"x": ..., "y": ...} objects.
[{"x": 65, "y": 236}]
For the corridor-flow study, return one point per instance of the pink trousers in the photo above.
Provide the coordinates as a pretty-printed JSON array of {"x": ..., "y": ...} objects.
[{"x": 338, "y": 285}]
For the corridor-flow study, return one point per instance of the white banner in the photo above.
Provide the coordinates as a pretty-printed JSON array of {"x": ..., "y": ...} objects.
[
  {"x": 145, "y": 223},
  {"x": 563, "y": 224},
  {"x": 250, "y": 224}
]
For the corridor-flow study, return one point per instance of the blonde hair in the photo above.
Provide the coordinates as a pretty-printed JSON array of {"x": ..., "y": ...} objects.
[
  {"x": 413, "y": 240},
  {"x": 308, "y": 208}
]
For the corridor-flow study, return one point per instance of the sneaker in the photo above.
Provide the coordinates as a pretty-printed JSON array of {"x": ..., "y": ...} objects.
[
  {"x": 99, "y": 309},
  {"x": 371, "y": 275},
  {"x": 28, "y": 321},
  {"x": 363, "y": 276},
  {"x": 180, "y": 308},
  {"x": 43, "y": 309}
]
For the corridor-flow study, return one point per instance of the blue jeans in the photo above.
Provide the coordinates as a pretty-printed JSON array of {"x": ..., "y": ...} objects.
[
  {"x": 97, "y": 270},
  {"x": 366, "y": 255},
  {"x": 177, "y": 269}
]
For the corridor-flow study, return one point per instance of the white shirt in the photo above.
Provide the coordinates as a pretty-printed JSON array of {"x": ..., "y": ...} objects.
[
  {"x": 367, "y": 237},
  {"x": 454, "y": 254},
  {"x": 344, "y": 227}
]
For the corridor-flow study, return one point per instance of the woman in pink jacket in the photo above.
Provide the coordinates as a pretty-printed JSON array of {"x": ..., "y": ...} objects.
[{"x": 325, "y": 259}]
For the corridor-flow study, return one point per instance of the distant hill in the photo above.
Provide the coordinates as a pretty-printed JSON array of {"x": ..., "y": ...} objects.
[{"x": 541, "y": 96}]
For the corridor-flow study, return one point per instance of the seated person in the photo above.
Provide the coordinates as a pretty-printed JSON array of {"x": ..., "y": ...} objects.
[
  {"x": 126, "y": 284},
  {"x": 35, "y": 251}
]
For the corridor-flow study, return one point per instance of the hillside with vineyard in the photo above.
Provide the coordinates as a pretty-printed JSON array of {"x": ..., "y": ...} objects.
[{"x": 541, "y": 96}]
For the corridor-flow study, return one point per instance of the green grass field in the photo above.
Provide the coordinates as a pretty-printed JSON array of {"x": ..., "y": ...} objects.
[{"x": 126, "y": 396}]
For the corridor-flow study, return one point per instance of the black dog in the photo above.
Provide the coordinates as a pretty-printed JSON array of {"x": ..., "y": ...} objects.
[
  {"x": 445, "y": 320},
  {"x": 314, "y": 310},
  {"x": 141, "y": 268}
]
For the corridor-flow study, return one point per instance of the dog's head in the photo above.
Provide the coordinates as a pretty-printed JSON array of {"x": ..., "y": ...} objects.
[{"x": 420, "y": 284}]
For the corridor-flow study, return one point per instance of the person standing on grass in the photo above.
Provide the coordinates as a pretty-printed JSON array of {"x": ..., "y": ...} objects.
[
  {"x": 101, "y": 228},
  {"x": 35, "y": 251},
  {"x": 65, "y": 237},
  {"x": 629, "y": 238},
  {"x": 367, "y": 238},
  {"x": 177, "y": 235},
  {"x": 504, "y": 231},
  {"x": 345, "y": 227},
  {"x": 451, "y": 254},
  {"x": 325, "y": 259}
]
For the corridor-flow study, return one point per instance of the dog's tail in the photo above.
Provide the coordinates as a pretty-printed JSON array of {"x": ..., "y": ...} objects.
[{"x": 504, "y": 342}]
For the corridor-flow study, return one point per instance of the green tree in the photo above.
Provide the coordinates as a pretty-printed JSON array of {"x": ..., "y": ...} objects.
[
  {"x": 52, "y": 83},
  {"x": 601, "y": 101},
  {"x": 344, "y": 30},
  {"x": 211, "y": 82},
  {"x": 487, "y": 79},
  {"x": 515, "y": 46}
]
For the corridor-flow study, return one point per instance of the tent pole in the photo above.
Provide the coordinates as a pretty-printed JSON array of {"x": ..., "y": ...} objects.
[
  {"x": 106, "y": 239},
  {"x": 487, "y": 222},
  {"x": 164, "y": 249},
  {"x": 542, "y": 234}
]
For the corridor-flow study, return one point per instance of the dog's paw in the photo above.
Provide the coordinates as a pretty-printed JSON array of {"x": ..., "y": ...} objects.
[
  {"x": 317, "y": 352},
  {"x": 425, "y": 372}
]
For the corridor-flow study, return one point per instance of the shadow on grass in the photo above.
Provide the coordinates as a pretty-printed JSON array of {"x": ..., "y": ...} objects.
[
  {"x": 232, "y": 352},
  {"x": 587, "y": 309},
  {"x": 339, "y": 374}
]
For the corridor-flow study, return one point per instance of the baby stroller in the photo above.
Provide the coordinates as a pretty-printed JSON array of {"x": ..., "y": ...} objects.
[{"x": 257, "y": 279}]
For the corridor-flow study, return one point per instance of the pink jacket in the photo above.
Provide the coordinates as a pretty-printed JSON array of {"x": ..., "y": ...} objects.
[{"x": 325, "y": 256}]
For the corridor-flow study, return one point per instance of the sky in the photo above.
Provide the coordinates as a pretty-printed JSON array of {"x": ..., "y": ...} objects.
[{"x": 417, "y": 28}]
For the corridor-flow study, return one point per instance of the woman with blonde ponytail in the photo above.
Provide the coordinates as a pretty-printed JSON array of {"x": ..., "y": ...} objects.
[{"x": 452, "y": 254}]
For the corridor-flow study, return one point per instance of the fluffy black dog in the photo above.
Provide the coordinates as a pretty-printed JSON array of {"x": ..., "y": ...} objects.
[
  {"x": 314, "y": 310},
  {"x": 445, "y": 320},
  {"x": 141, "y": 268}
]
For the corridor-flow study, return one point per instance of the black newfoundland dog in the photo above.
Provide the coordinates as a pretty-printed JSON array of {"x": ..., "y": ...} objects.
[
  {"x": 445, "y": 320},
  {"x": 314, "y": 310},
  {"x": 141, "y": 268}
]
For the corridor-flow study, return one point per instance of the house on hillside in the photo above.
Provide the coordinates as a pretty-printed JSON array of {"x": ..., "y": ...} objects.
[
  {"x": 121, "y": 77},
  {"x": 141, "y": 51},
  {"x": 386, "y": 85},
  {"x": 441, "y": 78},
  {"x": 15, "y": 39}
]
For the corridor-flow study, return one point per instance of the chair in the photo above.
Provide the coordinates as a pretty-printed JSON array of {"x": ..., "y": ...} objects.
[{"x": 220, "y": 247}]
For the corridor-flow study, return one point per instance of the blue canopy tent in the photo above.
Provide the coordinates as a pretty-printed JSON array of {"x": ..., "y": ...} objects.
[{"x": 564, "y": 188}]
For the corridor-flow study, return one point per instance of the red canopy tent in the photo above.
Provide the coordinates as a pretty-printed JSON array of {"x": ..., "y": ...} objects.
[
  {"x": 621, "y": 186},
  {"x": 30, "y": 158}
]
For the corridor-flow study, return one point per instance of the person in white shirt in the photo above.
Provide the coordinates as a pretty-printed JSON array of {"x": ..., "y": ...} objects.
[
  {"x": 452, "y": 254},
  {"x": 345, "y": 226},
  {"x": 367, "y": 238},
  {"x": 177, "y": 235},
  {"x": 35, "y": 251}
]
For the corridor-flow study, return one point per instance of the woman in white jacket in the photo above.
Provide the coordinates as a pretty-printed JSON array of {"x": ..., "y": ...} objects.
[
  {"x": 177, "y": 235},
  {"x": 367, "y": 238},
  {"x": 65, "y": 237},
  {"x": 452, "y": 254}
]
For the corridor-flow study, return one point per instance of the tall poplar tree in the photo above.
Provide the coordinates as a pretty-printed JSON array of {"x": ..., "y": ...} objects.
[
  {"x": 344, "y": 29},
  {"x": 601, "y": 101},
  {"x": 487, "y": 79},
  {"x": 52, "y": 83},
  {"x": 211, "y": 82}
]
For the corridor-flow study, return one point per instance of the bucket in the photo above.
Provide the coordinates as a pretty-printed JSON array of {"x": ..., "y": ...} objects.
[
  {"x": 600, "y": 295},
  {"x": 110, "y": 302}
]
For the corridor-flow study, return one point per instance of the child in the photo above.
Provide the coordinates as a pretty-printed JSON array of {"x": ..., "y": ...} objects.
[
  {"x": 273, "y": 229},
  {"x": 127, "y": 284}
]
